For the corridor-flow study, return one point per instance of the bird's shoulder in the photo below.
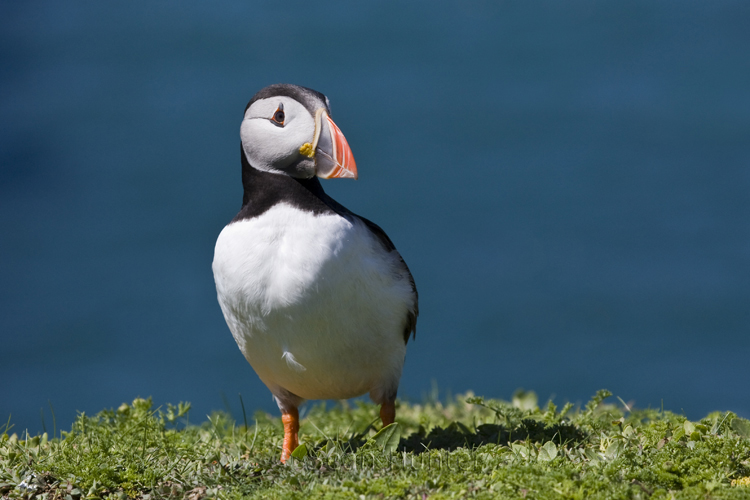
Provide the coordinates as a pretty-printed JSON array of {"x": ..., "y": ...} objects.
[
  {"x": 410, "y": 330},
  {"x": 265, "y": 191}
]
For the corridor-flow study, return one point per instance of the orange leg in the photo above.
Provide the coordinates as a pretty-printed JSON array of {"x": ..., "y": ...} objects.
[
  {"x": 290, "y": 418},
  {"x": 388, "y": 413}
]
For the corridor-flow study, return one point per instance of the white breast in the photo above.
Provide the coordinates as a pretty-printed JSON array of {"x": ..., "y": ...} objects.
[{"x": 316, "y": 304}]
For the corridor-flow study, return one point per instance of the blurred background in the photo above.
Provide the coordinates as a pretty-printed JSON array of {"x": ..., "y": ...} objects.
[{"x": 569, "y": 183}]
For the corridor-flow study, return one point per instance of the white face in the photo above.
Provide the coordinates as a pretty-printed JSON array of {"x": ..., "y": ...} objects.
[{"x": 273, "y": 146}]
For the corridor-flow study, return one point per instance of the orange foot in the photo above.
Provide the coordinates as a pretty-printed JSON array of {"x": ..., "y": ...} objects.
[
  {"x": 388, "y": 413},
  {"x": 290, "y": 418}
]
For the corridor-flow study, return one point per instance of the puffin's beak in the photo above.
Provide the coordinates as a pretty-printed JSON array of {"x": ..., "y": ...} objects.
[{"x": 333, "y": 157}]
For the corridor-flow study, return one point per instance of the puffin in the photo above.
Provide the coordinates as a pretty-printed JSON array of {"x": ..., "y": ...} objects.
[{"x": 318, "y": 299}]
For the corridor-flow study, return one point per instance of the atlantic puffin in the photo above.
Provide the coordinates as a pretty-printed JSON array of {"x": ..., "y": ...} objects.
[{"x": 317, "y": 298}]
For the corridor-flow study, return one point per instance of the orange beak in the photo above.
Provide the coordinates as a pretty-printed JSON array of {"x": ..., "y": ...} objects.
[{"x": 333, "y": 157}]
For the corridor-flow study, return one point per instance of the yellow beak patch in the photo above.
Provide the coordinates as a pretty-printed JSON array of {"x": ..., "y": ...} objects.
[{"x": 307, "y": 150}]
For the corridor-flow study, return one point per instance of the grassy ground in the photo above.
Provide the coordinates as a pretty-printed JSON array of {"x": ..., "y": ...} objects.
[{"x": 469, "y": 447}]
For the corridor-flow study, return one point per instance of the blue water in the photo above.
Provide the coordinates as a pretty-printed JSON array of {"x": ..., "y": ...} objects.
[{"x": 569, "y": 183}]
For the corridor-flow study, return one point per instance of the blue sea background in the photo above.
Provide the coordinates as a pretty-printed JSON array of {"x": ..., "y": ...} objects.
[{"x": 569, "y": 183}]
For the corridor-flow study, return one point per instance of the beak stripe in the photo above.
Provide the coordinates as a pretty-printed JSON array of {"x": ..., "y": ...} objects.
[{"x": 342, "y": 153}]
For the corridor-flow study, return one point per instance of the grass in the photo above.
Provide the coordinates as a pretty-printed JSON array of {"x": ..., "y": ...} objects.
[{"x": 468, "y": 447}]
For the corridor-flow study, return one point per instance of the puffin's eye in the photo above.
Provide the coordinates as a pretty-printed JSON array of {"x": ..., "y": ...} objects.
[{"x": 278, "y": 116}]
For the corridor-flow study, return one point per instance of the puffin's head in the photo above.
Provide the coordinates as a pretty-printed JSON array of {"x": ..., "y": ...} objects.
[{"x": 287, "y": 129}]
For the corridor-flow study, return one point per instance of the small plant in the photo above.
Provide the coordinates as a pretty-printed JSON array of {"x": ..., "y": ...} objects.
[{"x": 466, "y": 447}]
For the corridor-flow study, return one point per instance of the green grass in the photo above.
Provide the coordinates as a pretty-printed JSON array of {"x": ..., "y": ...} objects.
[{"x": 468, "y": 447}]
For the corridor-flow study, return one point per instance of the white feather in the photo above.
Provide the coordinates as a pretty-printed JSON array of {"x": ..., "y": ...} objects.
[
  {"x": 322, "y": 287},
  {"x": 292, "y": 363}
]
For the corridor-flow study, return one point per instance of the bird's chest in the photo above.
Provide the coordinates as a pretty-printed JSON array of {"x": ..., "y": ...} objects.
[{"x": 279, "y": 260}]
